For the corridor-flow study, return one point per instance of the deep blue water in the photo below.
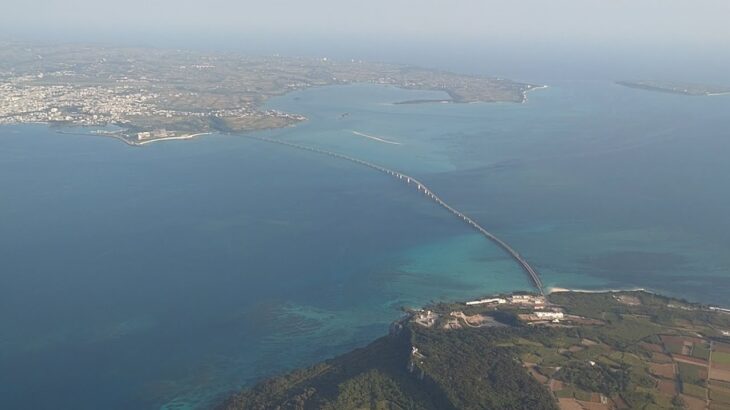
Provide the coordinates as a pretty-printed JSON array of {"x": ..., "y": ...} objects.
[{"x": 168, "y": 274}]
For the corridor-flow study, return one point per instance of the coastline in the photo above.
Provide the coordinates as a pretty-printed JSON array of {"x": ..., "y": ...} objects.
[
  {"x": 524, "y": 93},
  {"x": 589, "y": 330},
  {"x": 680, "y": 89},
  {"x": 455, "y": 99},
  {"x": 180, "y": 137},
  {"x": 556, "y": 289},
  {"x": 117, "y": 135}
]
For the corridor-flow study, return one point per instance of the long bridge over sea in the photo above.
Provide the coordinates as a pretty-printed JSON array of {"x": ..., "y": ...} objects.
[{"x": 428, "y": 193}]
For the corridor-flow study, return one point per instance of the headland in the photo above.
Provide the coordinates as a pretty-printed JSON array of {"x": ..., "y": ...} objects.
[
  {"x": 163, "y": 94},
  {"x": 566, "y": 350}
]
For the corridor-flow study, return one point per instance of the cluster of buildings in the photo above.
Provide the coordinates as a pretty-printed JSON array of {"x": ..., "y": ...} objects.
[
  {"x": 529, "y": 309},
  {"x": 541, "y": 311},
  {"x": 46, "y": 99},
  {"x": 551, "y": 315},
  {"x": 425, "y": 318},
  {"x": 23, "y": 101},
  {"x": 537, "y": 302},
  {"x": 155, "y": 134}
]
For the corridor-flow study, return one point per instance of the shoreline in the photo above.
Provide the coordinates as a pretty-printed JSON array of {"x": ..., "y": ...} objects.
[
  {"x": 557, "y": 289},
  {"x": 425, "y": 101},
  {"x": 680, "y": 89},
  {"x": 524, "y": 93},
  {"x": 114, "y": 134},
  {"x": 118, "y": 136},
  {"x": 179, "y": 137}
]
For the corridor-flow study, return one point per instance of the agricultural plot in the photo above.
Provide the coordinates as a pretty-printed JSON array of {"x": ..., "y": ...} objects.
[
  {"x": 692, "y": 374},
  {"x": 720, "y": 363},
  {"x": 694, "y": 390},
  {"x": 721, "y": 358},
  {"x": 701, "y": 351},
  {"x": 662, "y": 370},
  {"x": 694, "y": 403},
  {"x": 720, "y": 395},
  {"x": 664, "y": 366}
]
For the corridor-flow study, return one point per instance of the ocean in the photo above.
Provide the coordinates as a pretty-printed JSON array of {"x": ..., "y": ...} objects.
[{"x": 167, "y": 275}]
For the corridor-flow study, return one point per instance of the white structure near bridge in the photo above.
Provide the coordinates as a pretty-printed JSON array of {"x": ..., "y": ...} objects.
[{"x": 487, "y": 301}]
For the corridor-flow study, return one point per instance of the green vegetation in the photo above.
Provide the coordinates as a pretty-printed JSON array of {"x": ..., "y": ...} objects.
[
  {"x": 462, "y": 370},
  {"x": 721, "y": 357},
  {"x": 694, "y": 390},
  {"x": 690, "y": 373},
  {"x": 373, "y": 377},
  {"x": 158, "y": 93},
  {"x": 473, "y": 373},
  {"x": 674, "y": 348},
  {"x": 720, "y": 395},
  {"x": 606, "y": 350},
  {"x": 596, "y": 377},
  {"x": 701, "y": 351},
  {"x": 721, "y": 384}
]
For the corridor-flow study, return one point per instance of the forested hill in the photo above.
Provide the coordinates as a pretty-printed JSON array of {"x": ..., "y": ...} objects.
[
  {"x": 620, "y": 350},
  {"x": 465, "y": 371}
]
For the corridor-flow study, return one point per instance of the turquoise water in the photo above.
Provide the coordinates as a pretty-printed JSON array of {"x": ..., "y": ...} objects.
[{"x": 166, "y": 275}]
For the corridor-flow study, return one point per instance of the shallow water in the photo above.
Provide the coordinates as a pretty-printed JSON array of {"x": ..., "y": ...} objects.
[{"x": 169, "y": 274}]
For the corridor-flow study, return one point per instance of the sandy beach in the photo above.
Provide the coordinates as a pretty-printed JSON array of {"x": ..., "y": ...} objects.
[
  {"x": 181, "y": 137},
  {"x": 558, "y": 289}
]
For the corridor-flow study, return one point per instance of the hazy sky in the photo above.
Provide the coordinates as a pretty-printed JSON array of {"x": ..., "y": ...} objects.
[
  {"x": 676, "y": 39},
  {"x": 697, "y": 22}
]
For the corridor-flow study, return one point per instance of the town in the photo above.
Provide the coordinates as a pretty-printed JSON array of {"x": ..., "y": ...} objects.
[
  {"x": 22, "y": 101},
  {"x": 157, "y": 94}
]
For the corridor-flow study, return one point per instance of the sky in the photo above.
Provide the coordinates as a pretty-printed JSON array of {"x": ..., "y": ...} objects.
[
  {"x": 646, "y": 21},
  {"x": 697, "y": 29}
]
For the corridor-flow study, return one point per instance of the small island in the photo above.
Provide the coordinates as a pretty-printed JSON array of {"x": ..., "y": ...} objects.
[
  {"x": 676, "y": 88},
  {"x": 569, "y": 350}
]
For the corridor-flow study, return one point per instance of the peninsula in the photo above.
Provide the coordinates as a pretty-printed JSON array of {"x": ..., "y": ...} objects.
[
  {"x": 676, "y": 88},
  {"x": 567, "y": 350},
  {"x": 160, "y": 94}
]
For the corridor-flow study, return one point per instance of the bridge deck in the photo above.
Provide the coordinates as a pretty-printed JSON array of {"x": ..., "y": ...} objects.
[{"x": 421, "y": 187}]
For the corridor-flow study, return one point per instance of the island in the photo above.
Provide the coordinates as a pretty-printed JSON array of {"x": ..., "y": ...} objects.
[
  {"x": 567, "y": 350},
  {"x": 139, "y": 95},
  {"x": 677, "y": 88}
]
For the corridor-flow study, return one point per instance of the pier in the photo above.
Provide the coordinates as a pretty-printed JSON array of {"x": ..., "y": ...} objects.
[{"x": 428, "y": 193}]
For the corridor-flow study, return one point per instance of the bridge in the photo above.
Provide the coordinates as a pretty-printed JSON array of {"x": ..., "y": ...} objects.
[{"x": 428, "y": 193}]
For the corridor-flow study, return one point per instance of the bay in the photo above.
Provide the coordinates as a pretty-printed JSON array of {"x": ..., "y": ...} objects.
[{"x": 168, "y": 275}]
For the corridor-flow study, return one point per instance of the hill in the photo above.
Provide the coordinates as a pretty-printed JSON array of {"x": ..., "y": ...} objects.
[{"x": 571, "y": 350}]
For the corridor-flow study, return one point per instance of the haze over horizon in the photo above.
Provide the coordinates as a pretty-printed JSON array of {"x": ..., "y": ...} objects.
[
  {"x": 658, "y": 37},
  {"x": 647, "y": 22},
  {"x": 466, "y": 204}
]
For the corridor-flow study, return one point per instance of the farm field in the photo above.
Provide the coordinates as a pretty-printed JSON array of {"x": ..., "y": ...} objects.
[{"x": 569, "y": 350}]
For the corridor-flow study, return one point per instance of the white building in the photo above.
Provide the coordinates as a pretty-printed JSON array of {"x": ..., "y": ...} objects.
[
  {"x": 143, "y": 135},
  {"x": 549, "y": 315},
  {"x": 487, "y": 301}
]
